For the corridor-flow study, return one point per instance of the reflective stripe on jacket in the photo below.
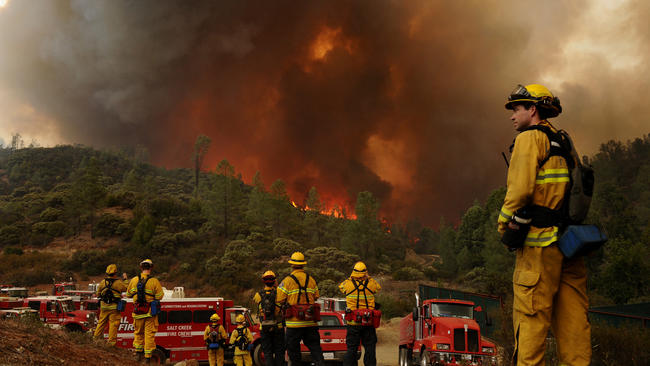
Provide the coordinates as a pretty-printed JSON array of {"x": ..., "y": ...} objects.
[
  {"x": 530, "y": 184},
  {"x": 152, "y": 290},
  {"x": 354, "y": 296},
  {"x": 288, "y": 292}
]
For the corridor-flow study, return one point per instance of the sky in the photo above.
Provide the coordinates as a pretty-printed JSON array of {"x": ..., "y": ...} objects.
[{"x": 404, "y": 99}]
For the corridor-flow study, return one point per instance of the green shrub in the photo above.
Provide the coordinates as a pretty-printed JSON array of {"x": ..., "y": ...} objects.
[
  {"x": 13, "y": 250},
  {"x": 10, "y": 235},
  {"x": 126, "y": 199},
  {"x": 107, "y": 225},
  {"x": 163, "y": 243},
  {"x": 50, "y": 214},
  {"x": 125, "y": 231},
  {"x": 185, "y": 238},
  {"x": 282, "y": 246},
  {"x": 144, "y": 231},
  {"x": 329, "y": 288},
  {"x": 394, "y": 307},
  {"x": 408, "y": 274},
  {"x": 56, "y": 228}
]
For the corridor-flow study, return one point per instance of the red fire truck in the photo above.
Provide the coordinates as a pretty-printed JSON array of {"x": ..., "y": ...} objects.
[
  {"x": 182, "y": 323},
  {"x": 332, "y": 338},
  {"x": 59, "y": 312},
  {"x": 443, "y": 332}
]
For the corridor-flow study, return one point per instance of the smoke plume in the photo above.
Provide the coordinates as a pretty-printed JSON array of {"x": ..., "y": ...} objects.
[{"x": 400, "y": 98}]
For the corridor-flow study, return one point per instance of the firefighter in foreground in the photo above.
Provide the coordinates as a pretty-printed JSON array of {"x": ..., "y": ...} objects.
[
  {"x": 298, "y": 293},
  {"x": 361, "y": 316},
  {"x": 146, "y": 292},
  {"x": 215, "y": 337},
  {"x": 549, "y": 290},
  {"x": 242, "y": 339},
  {"x": 270, "y": 314},
  {"x": 109, "y": 293}
]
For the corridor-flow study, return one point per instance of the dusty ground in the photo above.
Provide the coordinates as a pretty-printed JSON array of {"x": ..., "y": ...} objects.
[
  {"x": 387, "y": 343},
  {"x": 30, "y": 343}
]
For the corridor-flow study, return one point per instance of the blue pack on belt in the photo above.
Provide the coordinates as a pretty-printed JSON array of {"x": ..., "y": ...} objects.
[
  {"x": 155, "y": 307},
  {"x": 580, "y": 239},
  {"x": 121, "y": 305},
  {"x": 213, "y": 345}
]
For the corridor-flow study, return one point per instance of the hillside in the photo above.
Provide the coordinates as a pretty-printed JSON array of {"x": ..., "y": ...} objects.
[
  {"x": 69, "y": 211},
  {"x": 79, "y": 209},
  {"x": 30, "y": 343}
]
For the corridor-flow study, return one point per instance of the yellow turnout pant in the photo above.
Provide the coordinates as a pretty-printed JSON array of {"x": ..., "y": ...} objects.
[
  {"x": 112, "y": 318},
  {"x": 550, "y": 292},
  {"x": 144, "y": 333},
  {"x": 215, "y": 357},
  {"x": 243, "y": 360}
]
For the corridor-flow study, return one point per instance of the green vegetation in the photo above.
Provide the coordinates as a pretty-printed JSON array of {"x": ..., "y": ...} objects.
[{"x": 210, "y": 231}]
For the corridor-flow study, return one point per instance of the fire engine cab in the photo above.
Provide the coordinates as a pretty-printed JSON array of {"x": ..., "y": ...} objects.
[{"x": 182, "y": 323}]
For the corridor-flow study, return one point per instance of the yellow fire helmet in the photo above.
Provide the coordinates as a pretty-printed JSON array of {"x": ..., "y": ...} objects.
[
  {"x": 537, "y": 94},
  {"x": 111, "y": 269},
  {"x": 359, "y": 270},
  {"x": 214, "y": 318},
  {"x": 268, "y": 274},
  {"x": 147, "y": 261},
  {"x": 298, "y": 258},
  {"x": 240, "y": 319}
]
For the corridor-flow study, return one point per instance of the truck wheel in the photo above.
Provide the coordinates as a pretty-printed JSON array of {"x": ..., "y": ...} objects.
[
  {"x": 258, "y": 355},
  {"x": 158, "y": 357},
  {"x": 425, "y": 360},
  {"x": 404, "y": 357}
]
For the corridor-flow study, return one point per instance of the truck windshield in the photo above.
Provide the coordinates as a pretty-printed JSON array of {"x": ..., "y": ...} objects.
[
  {"x": 452, "y": 310},
  {"x": 67, "y": 305}
]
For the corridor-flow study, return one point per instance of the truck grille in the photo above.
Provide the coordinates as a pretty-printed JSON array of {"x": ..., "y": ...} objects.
[
  {"x": 472, "y": 340},
  {"x": 459, "y": 339}
]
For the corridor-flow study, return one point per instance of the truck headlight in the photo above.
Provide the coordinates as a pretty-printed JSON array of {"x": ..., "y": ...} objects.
[
  {"x": 88, "y": 316},
  {"x": 442, "y": 346},
  {"x": 487, "y": 350}
]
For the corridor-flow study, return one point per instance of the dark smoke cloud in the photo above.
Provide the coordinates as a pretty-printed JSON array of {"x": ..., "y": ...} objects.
[{"x": 401, "y": 98}]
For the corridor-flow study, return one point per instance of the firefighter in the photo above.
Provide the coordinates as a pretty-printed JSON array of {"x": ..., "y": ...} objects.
[
  {"x": 270, "y": 314},
  {"x": 242, "y": 339},
  {"x": 297, "y": 294},
  {"x": 359, "y": 291},
  {"x": 215, "y": 337},
  {"x": 109, "y": 293},
  {"x": 146, "y": 292},
  {"x": 549, "y": 290}
]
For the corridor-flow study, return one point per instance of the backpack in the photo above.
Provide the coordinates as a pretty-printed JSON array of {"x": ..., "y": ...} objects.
[
  {"x": 142, "y": 296},
  {"x": 241, "y": 341},
  {"x": 106, "y": 295},
  {"x": 141, "y": 306},
  {"x": 577, "y": 197},
  {"x": 267, "y": 303}
]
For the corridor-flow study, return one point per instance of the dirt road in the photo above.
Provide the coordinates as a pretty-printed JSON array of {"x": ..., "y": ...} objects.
[{"x": 387, "y": 343}]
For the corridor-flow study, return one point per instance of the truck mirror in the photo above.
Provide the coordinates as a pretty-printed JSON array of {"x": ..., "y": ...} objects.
[{"x": 416, "y": 314}]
